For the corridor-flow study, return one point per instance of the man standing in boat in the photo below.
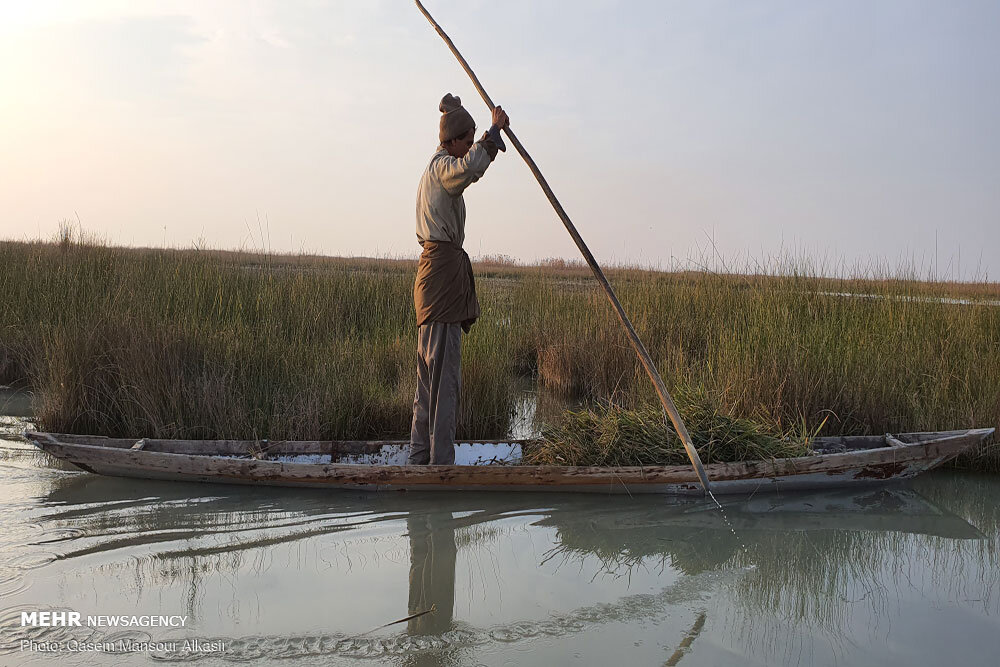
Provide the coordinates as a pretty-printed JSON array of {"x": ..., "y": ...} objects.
[{"x": 444, "y": 293}]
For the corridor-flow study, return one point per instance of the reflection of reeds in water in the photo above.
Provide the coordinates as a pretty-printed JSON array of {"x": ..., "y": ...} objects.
[
  {"x": 810, "y": 581},
  {"x": 820, "y": 580},
  {"x": 799, "y": 574},
  {"x": 793, "y": 582},
  {"x": 16, "y": 452},
  {"x": 654, "y": 548},
  {"x": 482, "y": 535}
]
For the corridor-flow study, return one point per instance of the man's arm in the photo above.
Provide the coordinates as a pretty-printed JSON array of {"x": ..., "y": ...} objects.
[{"x": 456, "y": 174}]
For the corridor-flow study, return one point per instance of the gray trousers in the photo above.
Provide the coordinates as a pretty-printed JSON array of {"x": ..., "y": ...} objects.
[{"x": 439, "y": 380}]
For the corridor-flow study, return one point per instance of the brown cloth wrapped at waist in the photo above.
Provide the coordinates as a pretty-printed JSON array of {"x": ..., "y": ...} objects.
[{"x": 445, "y": 290}]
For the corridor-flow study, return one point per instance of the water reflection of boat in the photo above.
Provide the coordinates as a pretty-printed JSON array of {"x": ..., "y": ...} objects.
[
  {"x": 494, "y": 466},
  {"x": 880, "y": 509},
  {"x": 641, "y": 525}
]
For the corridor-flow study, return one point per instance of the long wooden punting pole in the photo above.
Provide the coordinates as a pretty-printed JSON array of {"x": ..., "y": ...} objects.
[{"x": 640, "y": 349}]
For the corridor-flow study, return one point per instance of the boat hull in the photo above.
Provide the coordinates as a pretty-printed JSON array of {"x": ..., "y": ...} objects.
[{"x": 870, "y": 465}]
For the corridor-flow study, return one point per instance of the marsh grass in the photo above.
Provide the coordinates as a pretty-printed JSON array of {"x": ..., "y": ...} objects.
[
  {"x": 783, "y": 349},
  {"x": 208, "y": 343},
  {"x": 608, "y": 435}
]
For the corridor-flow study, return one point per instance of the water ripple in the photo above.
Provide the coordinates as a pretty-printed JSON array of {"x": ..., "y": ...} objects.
[
  {"x": 11, "y": 585},
  {"x": 33, "y": 561},
  {"x": 631, "y": 608}
]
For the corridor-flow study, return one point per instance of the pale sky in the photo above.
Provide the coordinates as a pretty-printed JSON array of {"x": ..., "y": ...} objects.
[{"x": 843, "y": 131}]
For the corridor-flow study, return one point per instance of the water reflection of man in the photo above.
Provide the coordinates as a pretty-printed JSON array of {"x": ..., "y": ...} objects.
[{"x": 432, "y": 572}]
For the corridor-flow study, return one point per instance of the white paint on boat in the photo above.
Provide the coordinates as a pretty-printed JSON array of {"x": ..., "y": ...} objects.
[{"x": 466, "y": 454}]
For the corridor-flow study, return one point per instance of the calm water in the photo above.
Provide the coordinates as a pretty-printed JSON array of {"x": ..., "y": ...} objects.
[{"x": 897, "y": 576}]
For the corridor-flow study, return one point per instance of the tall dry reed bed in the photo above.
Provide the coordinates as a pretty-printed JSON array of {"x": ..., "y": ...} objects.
[
  {"x": 781, "y": 349},
  {"x": 215, "y": 344},
  {"x": 186, "y": 344}
]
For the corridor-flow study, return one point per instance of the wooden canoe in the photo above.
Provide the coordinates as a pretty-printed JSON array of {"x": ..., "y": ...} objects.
[{"x": 493, "y": 465}]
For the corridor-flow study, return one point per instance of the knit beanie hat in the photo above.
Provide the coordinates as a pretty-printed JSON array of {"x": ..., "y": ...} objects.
[{"x": 455, "y": 120}]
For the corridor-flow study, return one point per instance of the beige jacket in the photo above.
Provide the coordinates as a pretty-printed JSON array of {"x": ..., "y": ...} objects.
[{"x": 440, "y": 206}]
